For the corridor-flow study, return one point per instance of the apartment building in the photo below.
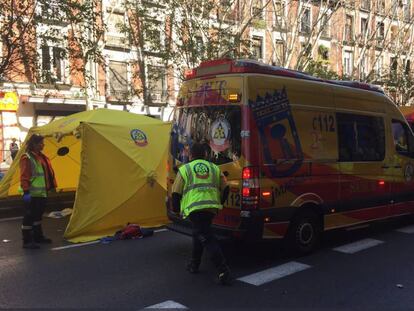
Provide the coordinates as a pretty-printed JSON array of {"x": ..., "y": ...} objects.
[{"x": 50, "y": 76}]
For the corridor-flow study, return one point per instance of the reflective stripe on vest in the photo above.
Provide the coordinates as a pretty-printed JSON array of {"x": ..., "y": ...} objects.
[
  {"x": 200, "y": 192},
  {"x": 37, "y": 181}
]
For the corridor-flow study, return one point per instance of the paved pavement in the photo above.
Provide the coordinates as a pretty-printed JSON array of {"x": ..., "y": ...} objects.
[{"x": 354, "y": 270}]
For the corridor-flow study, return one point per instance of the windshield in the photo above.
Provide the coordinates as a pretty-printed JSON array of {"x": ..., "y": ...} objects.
[{"x": 216, "y": 126}]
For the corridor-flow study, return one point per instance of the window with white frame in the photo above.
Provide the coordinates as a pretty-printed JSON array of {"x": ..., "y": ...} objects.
[
  {"x": 53, "y": 65},
  {"x": 153, "y": 35},
  {"x": 118, "y": 80},
  {"x": 198, "y": 45},
  {"x": 381, "y": 6},
  {"x": 349, "y": 28},
  {"x": 52, "y": 9},
  {"x": 348, "y": 63},
  {"x": 393, "y": 67},
  {"x": 279, "y": 13},
  {"x": 363, "y": 68},
  {"x": 407, "y": 66},
  {"x": 324, "y": 24},
  {"x": 407, "y": 10},
  {"x": 257, "y": 9},
  {"x": 379, "y": 64},
  {"x": 115, "y": 22},
  {"x": 257, "y": 47},
  {"x": 305, "y": 22},
  {"x": 366, "y": 5},
  {"x": 380, "y": 33},
  {"x": 157, "y": 84},
  {"x": 280, "y": 52},
  {"x": 364, "y": 27}
]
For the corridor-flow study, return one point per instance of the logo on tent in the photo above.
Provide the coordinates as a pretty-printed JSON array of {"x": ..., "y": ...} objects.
[{"x": 139, "y": 137}]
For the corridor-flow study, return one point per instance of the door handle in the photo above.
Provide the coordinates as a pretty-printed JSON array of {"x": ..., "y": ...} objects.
[{"x": 385, "y": 166}]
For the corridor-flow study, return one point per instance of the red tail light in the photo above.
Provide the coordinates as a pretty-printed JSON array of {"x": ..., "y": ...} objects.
[{"x": 251, "y": 188}]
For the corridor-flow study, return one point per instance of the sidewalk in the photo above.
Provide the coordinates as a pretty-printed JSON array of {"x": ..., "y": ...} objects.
[{"x": 13, "y": 207}]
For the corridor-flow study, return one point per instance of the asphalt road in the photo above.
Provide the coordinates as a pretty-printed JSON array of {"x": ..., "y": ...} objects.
[{"x": 376, "y": 272}]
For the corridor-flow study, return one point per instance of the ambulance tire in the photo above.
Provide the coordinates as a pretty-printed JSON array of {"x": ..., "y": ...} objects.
[{"x": 304, "y": 232}]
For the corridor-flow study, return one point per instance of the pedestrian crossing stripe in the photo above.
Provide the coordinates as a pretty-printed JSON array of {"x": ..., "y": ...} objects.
[
  {"x": 274, "y": 273},
  {"x": 357, "y": 246},
  {"x": 169, "y": 304}
]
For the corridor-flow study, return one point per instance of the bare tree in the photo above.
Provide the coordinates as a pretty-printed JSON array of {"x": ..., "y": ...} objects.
[
  {"x": 17, "y": 27},
  {"x": 38, "y": 35},
  {"x": 205, "y": 30},
  {"x": 300, "y": 25}
]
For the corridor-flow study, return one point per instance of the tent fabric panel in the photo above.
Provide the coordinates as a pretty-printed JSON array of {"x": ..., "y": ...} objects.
[
  {"x": 145, "y": 208},
  {"x": 66, "y": 167},
  {"x": 150, "y": 154},
  {"x": 108, "y": 178},
  {"x": 99, "y": 116}
]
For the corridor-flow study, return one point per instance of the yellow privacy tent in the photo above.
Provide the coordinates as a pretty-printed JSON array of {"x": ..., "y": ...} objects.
[{"x": 117, "y": 162}]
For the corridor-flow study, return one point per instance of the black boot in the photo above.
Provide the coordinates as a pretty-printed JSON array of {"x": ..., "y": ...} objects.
[
  {"x": 193, "y": 266},
  {"x": 38, "y": 235},
  {"x": 28, "y": 239},
  {"x": 224, "y": 276}
]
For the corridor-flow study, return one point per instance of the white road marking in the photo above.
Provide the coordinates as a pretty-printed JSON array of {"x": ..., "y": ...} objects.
[
  {"x": 357, "y": 246},
  {"x": 169, "y": 304},
  {"x": 161, "y": 230},
  {"x": 75, "y": 245},
  {"x": 274, "y": 273},
  {"x": 11, "y": 218},
  {"x": 409, "y": 229}
]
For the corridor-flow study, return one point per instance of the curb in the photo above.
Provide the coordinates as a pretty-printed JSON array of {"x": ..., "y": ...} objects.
[{"x": 13, "y": 206}]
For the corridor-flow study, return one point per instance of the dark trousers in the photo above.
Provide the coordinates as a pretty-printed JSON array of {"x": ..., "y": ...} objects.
[
  {"x": 32, "y": 220},
  {"x": 203, "y": 237}
]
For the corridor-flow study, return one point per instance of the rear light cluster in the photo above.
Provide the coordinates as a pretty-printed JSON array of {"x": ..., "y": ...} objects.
[{"x": 251, "y": 188}]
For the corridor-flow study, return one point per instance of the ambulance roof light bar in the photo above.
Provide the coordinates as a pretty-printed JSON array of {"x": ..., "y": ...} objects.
[{"x": 226, "y": 65}]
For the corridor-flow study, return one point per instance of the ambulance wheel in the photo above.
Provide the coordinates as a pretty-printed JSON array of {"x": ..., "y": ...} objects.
[{"x": 304, "y": 233}]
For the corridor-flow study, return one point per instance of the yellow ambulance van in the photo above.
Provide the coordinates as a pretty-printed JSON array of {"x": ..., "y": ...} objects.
[
  {"x": 408, "y": 112},
  {"x": 302, "y": 155}
]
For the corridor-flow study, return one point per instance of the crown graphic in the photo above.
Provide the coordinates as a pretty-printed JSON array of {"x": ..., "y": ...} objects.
[{"x": 270, "y": 107}]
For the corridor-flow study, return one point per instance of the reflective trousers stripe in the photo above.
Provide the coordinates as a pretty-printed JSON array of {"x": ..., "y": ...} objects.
[
  {"x": 207, "y": 186},
  {"x": 199, "y": 203},
  {"x": 37, "y": 223},
  {"x": 26, "y": 227}
]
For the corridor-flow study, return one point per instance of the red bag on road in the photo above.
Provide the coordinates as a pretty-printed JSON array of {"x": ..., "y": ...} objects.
[{"x": 131, "y": 231}]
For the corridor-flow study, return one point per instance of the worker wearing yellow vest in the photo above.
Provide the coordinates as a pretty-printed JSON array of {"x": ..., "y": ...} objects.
[
  {"x": 198, "y": 192},
  {"x": 36, "y": 179}
]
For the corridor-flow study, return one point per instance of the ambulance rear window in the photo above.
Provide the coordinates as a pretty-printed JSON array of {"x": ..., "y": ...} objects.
[{"x": 216, "y": 126}]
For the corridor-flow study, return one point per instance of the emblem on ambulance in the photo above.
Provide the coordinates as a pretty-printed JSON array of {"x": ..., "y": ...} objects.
[
  {"x": 201, "y": 170},
  {"x": 278, "y": 133},
  {"x": 408, "y": 172},
  {"x": 220, "y": 135},
  {"x": 139, "y": 137}
]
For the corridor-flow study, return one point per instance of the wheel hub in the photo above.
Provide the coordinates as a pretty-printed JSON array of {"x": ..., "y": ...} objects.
[{"x": 305, "y": 233}]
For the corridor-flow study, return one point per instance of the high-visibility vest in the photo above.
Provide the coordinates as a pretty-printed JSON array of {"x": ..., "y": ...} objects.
[
  {"x": 38, "y": 180},
  {"x": 201, "y": 186}
]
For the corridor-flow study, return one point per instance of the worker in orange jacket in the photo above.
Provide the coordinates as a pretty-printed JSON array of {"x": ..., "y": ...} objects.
[{"x": 37, "y": 178}]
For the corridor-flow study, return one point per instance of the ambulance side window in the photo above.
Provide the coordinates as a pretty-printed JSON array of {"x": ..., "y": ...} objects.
[
  {"x": 360, "y": 138},
  {"x": 400, "y": 134}
]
